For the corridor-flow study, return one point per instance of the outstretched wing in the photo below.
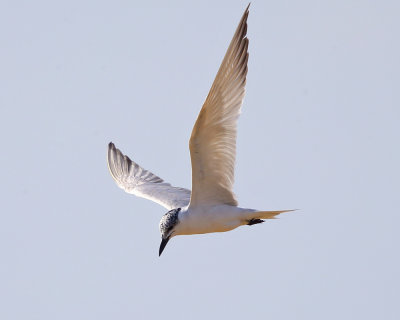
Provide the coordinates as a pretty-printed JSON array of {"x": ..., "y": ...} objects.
[
  {"x": 142, "y": 183},
  {"x": 213, "y": 141}
]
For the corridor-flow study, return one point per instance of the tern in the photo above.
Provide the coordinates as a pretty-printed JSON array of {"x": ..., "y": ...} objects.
[{"x": 211, "y": 206}]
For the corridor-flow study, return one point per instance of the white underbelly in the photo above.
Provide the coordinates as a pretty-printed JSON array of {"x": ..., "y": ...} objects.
[{"x": 211, "y": 219}]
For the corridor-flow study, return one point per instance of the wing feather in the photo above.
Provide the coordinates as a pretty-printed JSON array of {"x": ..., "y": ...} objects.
[
  {"x": 213, "y": 140},
  {"x": 132, "y": 178}
]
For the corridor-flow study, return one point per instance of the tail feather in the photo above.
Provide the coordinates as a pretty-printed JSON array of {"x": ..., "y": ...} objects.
[{"x": 267, "y": 214}]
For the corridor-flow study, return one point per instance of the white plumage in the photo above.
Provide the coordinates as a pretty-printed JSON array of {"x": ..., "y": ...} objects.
[
  {"x": 142, "y": 183},
  {"x": 212, "y": 205}
]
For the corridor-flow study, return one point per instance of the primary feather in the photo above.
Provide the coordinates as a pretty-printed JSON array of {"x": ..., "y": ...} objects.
[
  {"x": 132, "y": 178},
  {"x": 213, "y": 141}
]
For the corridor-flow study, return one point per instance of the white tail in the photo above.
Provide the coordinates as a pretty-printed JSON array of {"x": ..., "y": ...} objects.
[{"x": 267, "y": 214}]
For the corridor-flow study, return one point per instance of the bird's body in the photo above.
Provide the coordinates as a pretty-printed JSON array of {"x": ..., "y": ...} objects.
[
  {"x": 211, "y": 206},
  {"x": 208, "y": 219},
  {"x": 218, "y": 218}
]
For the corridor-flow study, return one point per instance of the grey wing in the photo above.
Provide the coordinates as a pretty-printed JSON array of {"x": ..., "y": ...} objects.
[
  {"x": 213, "y": 141},
  {"x": 132, "y": 178}
]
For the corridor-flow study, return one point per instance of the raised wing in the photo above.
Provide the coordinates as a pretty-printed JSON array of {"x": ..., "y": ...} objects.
[
  {"x": 213, "y": 141},
  {"x": 142, "y": 183}
]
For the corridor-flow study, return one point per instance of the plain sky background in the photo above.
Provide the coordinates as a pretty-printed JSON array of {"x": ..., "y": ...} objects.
[{"x": 319, "y": 131}]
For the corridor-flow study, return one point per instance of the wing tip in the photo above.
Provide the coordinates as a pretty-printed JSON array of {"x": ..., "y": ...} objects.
[
  {"x": 118, "y": 163},
  {"x": 110, "y": 160},
  {"x": 246, "y": 12},
  {"x": 111, "y": 145}
]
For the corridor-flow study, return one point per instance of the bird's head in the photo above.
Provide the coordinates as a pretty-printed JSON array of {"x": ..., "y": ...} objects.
[{"x": 167, "y": 227}]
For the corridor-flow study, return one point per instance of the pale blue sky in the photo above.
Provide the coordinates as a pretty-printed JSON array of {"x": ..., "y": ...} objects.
[{"x": 319, "y": 131}]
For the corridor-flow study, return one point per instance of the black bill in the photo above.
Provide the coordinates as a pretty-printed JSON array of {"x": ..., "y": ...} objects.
[{"x": 162, "y": 245}]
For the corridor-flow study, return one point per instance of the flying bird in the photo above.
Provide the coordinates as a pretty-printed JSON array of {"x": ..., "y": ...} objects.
[{"x": 211, "y": 206}]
